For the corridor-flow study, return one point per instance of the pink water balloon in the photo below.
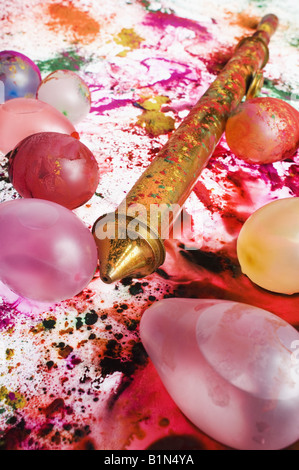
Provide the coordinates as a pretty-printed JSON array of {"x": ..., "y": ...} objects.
[
  {"x": 46, "y": 252},
  {"x": 232, "y": 369},
  {"x": 21, "y": 117}
]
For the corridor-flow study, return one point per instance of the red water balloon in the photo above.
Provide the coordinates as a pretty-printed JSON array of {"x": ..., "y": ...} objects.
[{"x": 56, "y": 167}]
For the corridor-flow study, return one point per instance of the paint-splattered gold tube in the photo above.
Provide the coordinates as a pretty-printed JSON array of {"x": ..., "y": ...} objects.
[{"x": 169, "y": 179}]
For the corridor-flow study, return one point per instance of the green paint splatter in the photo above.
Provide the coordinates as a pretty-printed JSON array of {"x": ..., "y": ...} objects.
[
  {"x": 261, "y": 3},
  {"x": 153, "y": 9},
  {"x": 129, "y": 39},
  {"x": 68, "y": 60},
  {"x": 274, "y": 92},
  {"x": 145, "y": 3},
  {"x": 294, "y": 42}
]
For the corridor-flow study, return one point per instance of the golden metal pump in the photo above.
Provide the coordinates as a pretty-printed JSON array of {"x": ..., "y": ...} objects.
[{"x": 170, "y": 178}]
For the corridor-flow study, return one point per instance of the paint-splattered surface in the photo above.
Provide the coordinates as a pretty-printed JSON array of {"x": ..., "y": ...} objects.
[{"x": 75, "y": 375}]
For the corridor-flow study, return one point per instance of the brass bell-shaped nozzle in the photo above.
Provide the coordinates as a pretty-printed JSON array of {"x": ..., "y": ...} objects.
[{"x": 124, "y": 252}]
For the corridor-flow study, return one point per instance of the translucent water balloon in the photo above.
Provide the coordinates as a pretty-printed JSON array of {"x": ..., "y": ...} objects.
[
  {"x": 46, "y": 252},
  {"x": 268, "y": 246},
  {"x": 67, "y": 92},
  {"x": 231, "y": 368}
]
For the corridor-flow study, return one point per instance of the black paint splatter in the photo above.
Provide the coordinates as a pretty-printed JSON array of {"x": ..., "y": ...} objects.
[
  {"x": 49, "y": 324},
  {"x": 136, "y": 289},
  {"x": 213, "y": 262},
  {"x": 91, "y": 317}
]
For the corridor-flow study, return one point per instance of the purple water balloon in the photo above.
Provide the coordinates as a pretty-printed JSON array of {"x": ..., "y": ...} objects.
[
  {"x": 19, "y": 75},
  {"x": 46, "y": 252}
]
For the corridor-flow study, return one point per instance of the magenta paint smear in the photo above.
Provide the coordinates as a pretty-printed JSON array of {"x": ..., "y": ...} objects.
[
  {"x": 75, "y": 375},
  {"x": 161, "y": 21},
  {"x": 6, "y": 315}
]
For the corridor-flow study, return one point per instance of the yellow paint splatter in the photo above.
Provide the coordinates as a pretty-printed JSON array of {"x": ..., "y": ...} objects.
[
  {"x": 153, "y": 103},
  {"x": 152, "y": 119},
  {"x": 156, "y": 123},
  {"x": 9, "y": 353},
  {"x": 57, "y": 167},
  {"x": 129, "y": 39},
  {"x": 14, "y": 399}
]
